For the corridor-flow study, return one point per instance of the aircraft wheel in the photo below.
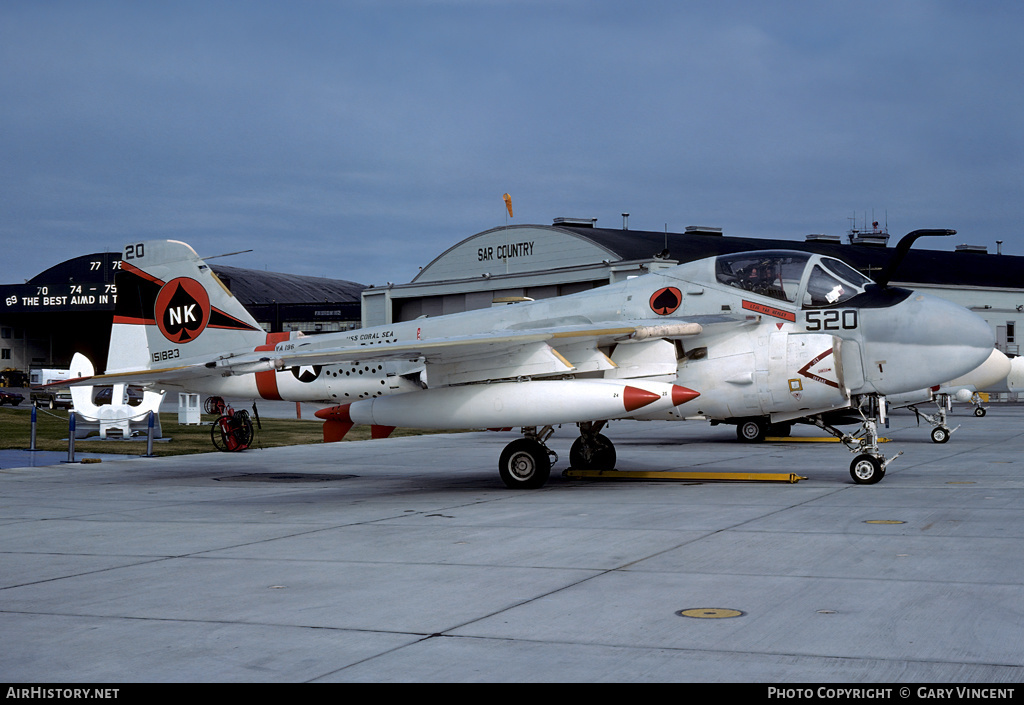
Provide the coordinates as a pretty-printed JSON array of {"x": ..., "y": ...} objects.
[
  {"x": 599, "y": 456},
  {"x": 752, "y": 430},
  {"x": 524, "y": 464},
  {"x": 866, "y": 469},
  {"x": 940, "y": 434},
  {"x": 979, "y": 412},
  {"x": 782, "y": 430}
]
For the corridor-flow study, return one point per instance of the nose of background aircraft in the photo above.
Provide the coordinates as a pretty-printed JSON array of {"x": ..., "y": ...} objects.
[
  {"x": 922, "y": 341},
  {"x": 990, "y": 376}
]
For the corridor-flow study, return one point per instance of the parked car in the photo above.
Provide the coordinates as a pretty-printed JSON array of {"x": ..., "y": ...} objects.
[
  {"x": 53, "y": 398},
  {"x": 103, "y": 394},
  {"x": 12, "y": 398}
]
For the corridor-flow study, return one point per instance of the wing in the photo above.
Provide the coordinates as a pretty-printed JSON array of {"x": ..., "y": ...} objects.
[
  {"x": 479, "y": 357},
  {"x": 507, "y": 355}
]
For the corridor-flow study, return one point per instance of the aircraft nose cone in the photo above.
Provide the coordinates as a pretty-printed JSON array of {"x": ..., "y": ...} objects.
[
  {"x": 945, "y": 322},
  {"x": 922, "y": 342}
]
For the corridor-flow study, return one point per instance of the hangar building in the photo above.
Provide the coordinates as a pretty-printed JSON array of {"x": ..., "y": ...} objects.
[{"x": 571, "y": 255}]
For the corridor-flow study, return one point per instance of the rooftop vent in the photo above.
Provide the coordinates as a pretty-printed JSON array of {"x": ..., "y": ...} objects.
[
  {"x": 979, "y": 249},
  {"x": 576, "y": 222},
  {"x": 702, "y": 230}
]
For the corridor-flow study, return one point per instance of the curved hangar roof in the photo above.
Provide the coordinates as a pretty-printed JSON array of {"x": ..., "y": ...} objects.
[
  {"x": 573, "y": 243},
  {"x": 519, "y": 249},
  {"x": 253, "y": 286}
]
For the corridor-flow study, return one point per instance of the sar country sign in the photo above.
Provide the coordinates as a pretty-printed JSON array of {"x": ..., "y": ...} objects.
[{"x": 182, "y": 310}]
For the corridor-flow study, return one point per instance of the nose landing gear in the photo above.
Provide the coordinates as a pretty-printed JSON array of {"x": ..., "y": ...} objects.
[
  {"x": 869, "y": 466},
  {"x": 940, "y": 431},
  {"x": 979, "y": 410},
  {"x": 867, "y": 469}
]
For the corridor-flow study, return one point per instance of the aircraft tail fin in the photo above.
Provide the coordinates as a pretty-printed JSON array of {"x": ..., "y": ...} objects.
[{"x": 171, "y": 307}]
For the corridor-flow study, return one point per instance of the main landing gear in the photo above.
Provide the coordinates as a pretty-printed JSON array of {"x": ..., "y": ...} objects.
[
  {"x": 752, "y": 430},
  {"x": 940, "y": 431},
  {"x": 869, "y": 466},
  {"x": 592, "y": 451},
  {"x": 526, "y": 463},
  {"x": 757, "y": 428}
]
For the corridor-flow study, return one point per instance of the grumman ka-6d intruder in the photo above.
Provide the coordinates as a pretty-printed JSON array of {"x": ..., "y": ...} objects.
[{"x": 748, "y": 339}]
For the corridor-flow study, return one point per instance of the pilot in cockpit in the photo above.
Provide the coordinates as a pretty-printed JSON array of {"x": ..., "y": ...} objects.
[{"x": 762, "y": 277}]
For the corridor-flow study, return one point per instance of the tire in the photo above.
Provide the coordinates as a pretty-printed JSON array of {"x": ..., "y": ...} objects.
[
  {"x": 866, "y": 469},
  {"x": 752, "y": 430},
  {"x": 599, "y": 457},
  {"x": 979, "y": 412},
  {"x": 940, "y": 434},
  {"x": 524, "y": 465}
]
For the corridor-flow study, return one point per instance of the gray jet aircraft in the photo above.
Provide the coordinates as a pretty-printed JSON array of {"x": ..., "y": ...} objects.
[{"x": 752, "y": 339}]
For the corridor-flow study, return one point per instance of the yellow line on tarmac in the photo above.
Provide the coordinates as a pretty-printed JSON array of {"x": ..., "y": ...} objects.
[
  {"x": 810, "y": 439},
  {"x": 671, "y": 475}
]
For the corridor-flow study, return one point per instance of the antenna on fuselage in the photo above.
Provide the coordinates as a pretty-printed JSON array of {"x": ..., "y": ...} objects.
[{"x": 227, "y": 254}]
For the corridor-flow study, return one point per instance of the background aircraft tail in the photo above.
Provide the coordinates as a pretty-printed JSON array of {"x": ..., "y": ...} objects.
[{"x": 171, "y": 307}]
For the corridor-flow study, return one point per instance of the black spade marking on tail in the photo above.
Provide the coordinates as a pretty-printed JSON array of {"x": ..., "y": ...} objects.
[{"x": 183, "y": 316}]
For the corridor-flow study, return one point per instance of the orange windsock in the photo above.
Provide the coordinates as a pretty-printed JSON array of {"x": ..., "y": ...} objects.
[{"x": 508, "y": 204}]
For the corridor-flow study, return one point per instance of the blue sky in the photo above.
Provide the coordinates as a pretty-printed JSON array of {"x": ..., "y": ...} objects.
[{"x": 359, "y": 140}]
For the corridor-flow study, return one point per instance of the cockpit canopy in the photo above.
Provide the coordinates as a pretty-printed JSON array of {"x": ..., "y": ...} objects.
[{"x": 797, "y": 277}]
